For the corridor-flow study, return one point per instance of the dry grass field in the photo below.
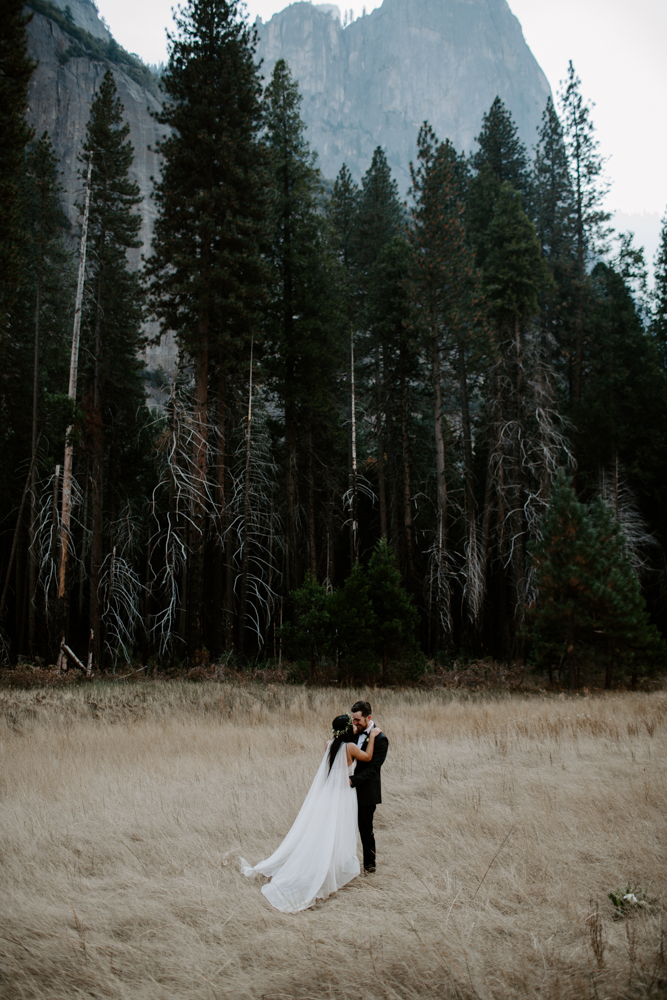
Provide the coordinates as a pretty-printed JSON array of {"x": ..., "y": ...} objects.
[{"x": 506, "y": 822}]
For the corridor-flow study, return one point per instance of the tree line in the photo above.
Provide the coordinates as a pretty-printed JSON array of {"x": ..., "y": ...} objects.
[{"x": 374, "y": 402}]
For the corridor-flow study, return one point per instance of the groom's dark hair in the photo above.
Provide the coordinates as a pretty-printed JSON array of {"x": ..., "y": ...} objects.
[{"x": 362, "y": 706}]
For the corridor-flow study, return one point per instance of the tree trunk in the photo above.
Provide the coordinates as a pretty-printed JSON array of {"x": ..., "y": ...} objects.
[
  {"x": 97, "y": 488},
  {"x": 73, "y": 373},
  {"x": 443, "y": 595},
  {"x": 198, "y": 532},
  {"x": 245, "y": 558},
  {"x": 473, "y": 581},
  {"x": 382, "y": 490},
  {"x": 33, "y": 565},
  {"x": 312, "y": 545},
  {"x": 407, "y": 495},
  {"x": 354, "y": 488}
]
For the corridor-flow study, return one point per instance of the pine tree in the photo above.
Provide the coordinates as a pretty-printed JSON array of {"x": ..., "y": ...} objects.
[
  {"x": 525, "y": 440},
  {"x": 309, "y": 634},
  {"x": 446, "y": 301},
  {"x": 501, "y": 158},
  {"x": 49, "y": 268},
  {"x": 390, "y": 310},
  {"x": 16, "y": 69},
  {"x": 589, "y": 188},
  {"x": 353, "y": 625},
  {"x": 305, "y": 321},
  {"x": 659, "y": 311},
  {"x": 589, "y": 610},
  {"x": 380, "y": 218},
  {"x": 552, "y": 207},
  {"x": 112, "y": 318},
  {"x": 395, "y": 617},
  {"x": 207, "y": 276}
]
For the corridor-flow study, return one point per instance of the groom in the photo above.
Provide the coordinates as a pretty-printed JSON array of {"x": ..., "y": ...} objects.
[{"x": 366, "y": 779}]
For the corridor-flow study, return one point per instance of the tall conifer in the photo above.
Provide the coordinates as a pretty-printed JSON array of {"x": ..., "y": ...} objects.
[
  {"x": 589, "y": 188},
  {"x": 206, "y": 272},
  {"x": 112, "y": 321},
  {"x": 305, "y": 317},
  {"x": 16, "y": 69}
]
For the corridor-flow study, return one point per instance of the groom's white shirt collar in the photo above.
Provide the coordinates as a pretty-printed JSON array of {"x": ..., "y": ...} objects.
[{"x": 362, "y": 736}]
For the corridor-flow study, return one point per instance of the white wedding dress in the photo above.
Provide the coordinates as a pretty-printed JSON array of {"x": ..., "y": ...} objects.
[{"x": 319, "y": 854}]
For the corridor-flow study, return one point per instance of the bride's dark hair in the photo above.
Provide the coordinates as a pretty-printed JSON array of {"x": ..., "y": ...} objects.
[{"x": 343, "y": 732}]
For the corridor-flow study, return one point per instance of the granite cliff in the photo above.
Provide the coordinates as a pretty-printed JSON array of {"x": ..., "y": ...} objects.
[
  {"x": 376, "y": 80},
  {"x": 370, "y": 83},
  {"x": 61, "y": 93}
]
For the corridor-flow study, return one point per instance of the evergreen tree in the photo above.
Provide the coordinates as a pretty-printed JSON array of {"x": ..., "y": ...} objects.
[
  {"x": 380, "y": 218},
  {"x": 390, "y": 309},
  {"x": 207, "y": 276},
  {"x": 444, "y": 289},
  {"x": 524, "y": 440},
  {"x": 589, "y": 188},
  {"x": 309, "y": 634},
  {"x": 305, "y": 316},
  {"x": 621, "y": 421},
  {"x": 552, "y": 205},
  {"x": 395, "y": 616},
  {"x": 49, "y": 296},
  {"x": 500, "y": 159},
  {"x": 16, "y": 70},
  {"x": 353, "y": 625},
  {"x": 659, "y": 311},
  {"x": 589, "y": 610},
  {"x": 342, "y": 212},
  {"x": 112, "y": 375}
]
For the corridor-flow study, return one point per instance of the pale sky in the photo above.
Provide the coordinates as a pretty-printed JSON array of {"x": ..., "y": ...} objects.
[{"x": 618, "y": 50}]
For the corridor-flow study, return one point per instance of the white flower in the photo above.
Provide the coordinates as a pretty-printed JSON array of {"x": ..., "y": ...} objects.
[{"x": 630, "y": 898}]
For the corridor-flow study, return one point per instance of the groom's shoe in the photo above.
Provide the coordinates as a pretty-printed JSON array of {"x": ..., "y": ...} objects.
[{"x": 370, "y": 870}]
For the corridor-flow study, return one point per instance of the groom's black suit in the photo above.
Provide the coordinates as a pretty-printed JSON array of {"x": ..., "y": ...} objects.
[{"x": 366, "y": 780}]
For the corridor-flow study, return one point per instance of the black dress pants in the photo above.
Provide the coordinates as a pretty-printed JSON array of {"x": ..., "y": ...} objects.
[{"x": 365, "y": 820}]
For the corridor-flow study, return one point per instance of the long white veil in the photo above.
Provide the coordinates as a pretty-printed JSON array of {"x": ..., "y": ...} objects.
[{"x": 318, "y": 855}]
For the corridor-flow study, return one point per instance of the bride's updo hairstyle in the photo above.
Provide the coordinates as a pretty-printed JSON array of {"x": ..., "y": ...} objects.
[{"x": 342, "y": 731}]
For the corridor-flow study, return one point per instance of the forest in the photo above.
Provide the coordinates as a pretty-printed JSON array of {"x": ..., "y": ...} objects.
[{"x": 401, "y": 434}]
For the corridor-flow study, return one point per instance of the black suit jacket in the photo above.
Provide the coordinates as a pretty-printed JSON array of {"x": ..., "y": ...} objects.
[{"x": 366, "y": 777}]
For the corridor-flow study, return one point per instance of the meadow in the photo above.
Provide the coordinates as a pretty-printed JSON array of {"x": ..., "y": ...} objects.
[{"x": 506, "y": 821}]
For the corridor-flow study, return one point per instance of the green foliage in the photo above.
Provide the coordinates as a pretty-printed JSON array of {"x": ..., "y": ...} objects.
[
  {"x": 659, "y": 310},
  {"x": 206, "y": 274},
  {"x": 15, "y": 72},
  {"x": 629, "y": 900},
  {"x": 308, "y": 636},
  {"x": 514, "y": 270},
  {"x": 586, "y": 170},
  {"x": 500, "y": 159},
  {"x": 589, "y": 611},
  {"x": 113, "y": 309},
  {"x": 395, "y": 617},
  {"x": 368, "y": 622},
  {"x": 85, "y": 44}
]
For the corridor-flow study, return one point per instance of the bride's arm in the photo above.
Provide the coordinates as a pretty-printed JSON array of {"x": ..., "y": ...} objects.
[{"x": 365, "y": 755}]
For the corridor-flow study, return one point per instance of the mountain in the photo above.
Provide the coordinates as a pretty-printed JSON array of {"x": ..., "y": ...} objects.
[
  {"x": 370, "y": 83},
  {"x": 373, "y": 82},
  {"x": 74, "y": 48}
]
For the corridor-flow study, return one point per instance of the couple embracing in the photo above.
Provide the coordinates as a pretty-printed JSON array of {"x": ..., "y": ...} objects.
[{"x": 319, "y": 854}]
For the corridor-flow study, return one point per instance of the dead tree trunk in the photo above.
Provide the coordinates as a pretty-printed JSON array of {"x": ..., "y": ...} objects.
[
  {"x": 33, "y": 569},
  {"x": 245, "y": 557},
  {"x": 198, "y": 528},
  {"x": 66, "y": 511}
]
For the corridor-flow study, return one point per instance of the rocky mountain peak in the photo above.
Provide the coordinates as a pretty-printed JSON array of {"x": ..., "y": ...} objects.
[{"x": 375, "y": 80}]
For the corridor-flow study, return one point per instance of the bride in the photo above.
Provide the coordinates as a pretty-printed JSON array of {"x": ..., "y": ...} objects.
[{"x": 319, "y": 854}]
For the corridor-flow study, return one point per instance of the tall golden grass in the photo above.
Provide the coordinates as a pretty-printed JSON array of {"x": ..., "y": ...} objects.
[{"x": 505, "y": 823}]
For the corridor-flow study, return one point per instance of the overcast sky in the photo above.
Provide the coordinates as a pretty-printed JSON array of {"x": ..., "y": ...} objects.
[{"x": 618, "y": 49}]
